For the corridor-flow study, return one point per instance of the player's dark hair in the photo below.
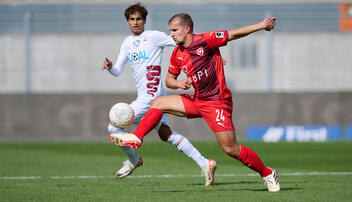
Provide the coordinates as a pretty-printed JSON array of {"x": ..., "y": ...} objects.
[
  {"x": 136, "y": 8},
  {"x": 185, "y": 19}
]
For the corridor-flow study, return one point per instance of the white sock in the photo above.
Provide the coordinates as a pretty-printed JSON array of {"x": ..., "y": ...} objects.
[
  {"x": 183, "y": 144},
  {"x": 130, "y": 153}
]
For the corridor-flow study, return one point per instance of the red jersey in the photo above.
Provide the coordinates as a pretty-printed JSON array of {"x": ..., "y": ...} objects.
[{"x": 202, "y": 62}]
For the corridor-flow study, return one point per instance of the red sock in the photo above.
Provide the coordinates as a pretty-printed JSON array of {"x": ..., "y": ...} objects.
[
  {"x": 250, "y": 159},
  {"x": 148, "y": 122}
]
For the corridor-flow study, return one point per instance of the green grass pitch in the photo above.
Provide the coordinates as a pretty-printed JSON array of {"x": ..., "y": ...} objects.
[{"x": 73, "y": 171}]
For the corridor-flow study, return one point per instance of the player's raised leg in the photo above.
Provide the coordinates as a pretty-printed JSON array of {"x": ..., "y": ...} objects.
[
  {"x": 133, "y": 161},
  {"x": 227, "y": 141}
]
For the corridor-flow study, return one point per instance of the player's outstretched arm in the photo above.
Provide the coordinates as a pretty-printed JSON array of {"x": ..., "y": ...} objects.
[
  {"x": 172, "y": 82},
  {"x": 268, "y": 24},
  {"x": 107, "y": 64}
]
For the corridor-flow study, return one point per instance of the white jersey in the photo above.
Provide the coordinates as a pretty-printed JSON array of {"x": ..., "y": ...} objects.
[{"x": 144, "y": 52}]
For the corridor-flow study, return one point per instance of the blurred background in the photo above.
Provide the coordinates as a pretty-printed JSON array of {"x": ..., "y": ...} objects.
[{"x": 291, "y": 84}]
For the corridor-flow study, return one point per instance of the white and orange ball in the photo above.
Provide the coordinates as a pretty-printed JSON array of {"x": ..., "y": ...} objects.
[{"x": 121, "y": 115}]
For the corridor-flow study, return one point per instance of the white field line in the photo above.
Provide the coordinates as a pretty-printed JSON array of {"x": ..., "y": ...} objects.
[
  {"x": 174, "y": 176},
  {"x": 20, "y": 178}
]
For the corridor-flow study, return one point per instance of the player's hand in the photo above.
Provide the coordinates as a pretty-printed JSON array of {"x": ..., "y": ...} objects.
[
  {"x": 107, "y": 64},
  {"x": 269, "y": 23},
  {"x": 185, "y": 84}
]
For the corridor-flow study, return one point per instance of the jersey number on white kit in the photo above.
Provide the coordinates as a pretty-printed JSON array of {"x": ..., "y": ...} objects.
[{"x": 153, "y": 76}]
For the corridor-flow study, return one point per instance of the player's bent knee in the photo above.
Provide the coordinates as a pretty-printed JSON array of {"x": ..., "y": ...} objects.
[
  {"x": 164, "y": 132},
  {"x": 158, "y": 103},
  {"x": 155, "y": 103},
  {"x": 164, "y": 138}
]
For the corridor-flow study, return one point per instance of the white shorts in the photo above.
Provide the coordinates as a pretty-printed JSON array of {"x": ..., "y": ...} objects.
[{"x": 140, "y": 109}]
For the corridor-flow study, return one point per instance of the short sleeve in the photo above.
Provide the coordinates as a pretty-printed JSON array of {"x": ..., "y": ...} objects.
[
  {"x": 216, "y": 39},
  {"x": 163, "y": 39},
  {"x": 174, "y": 67}
]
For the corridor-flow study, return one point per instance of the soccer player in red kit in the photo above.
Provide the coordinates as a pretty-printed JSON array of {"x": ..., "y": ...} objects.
[{"x": 198, "y": 56}]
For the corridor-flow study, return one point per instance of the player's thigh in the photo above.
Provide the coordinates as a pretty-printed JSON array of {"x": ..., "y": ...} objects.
[
  {"x": 217, "y": 114},
  {"x": 228, "y": 143},
  {"x": 171, "y": 104}
]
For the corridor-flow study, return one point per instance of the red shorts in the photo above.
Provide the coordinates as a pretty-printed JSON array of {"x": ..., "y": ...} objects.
[{"x": 217, "y": 113}]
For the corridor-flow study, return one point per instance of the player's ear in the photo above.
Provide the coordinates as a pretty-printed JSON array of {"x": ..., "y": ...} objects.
[{"x": 187, "y": 29}]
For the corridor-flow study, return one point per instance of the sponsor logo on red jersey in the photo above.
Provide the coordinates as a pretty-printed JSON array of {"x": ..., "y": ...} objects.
[{"x": 200, "y": 51}]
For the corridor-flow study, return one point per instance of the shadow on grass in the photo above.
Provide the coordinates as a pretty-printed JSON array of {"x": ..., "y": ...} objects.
[
  {"x": 266, "y": 190},
  {"x": 222, "y": 186},
  {"x": 227, "y": 183},
  {"x": 225, "y": 190}
]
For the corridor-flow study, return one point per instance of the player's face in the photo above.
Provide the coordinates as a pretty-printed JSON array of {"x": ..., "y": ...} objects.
[
  {"x": 178, "y": 32},
  {"x": 136, "y": 23}
]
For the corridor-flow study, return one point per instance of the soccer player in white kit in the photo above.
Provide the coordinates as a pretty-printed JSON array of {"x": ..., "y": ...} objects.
[{"x": 143, "y": 49}]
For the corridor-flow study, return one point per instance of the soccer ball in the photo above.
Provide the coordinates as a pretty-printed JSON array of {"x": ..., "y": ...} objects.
[{"x": 121, "y": 115}]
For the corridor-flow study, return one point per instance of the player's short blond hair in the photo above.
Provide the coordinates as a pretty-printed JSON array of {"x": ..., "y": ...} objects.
[{"x": 185, "y": 19}]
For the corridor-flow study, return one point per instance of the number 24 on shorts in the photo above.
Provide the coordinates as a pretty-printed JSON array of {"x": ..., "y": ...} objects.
[{"x": 220, "y": 115}]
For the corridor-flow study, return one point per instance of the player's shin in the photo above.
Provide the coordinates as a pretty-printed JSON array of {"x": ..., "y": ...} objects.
[
  {"x": 183, "y": 145},
  {"x": 130, "y": 153},
  {"x": 250, "y": 159},
  {"x": 148, "y": 122},
  {"x": 208, "y": 166}
]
